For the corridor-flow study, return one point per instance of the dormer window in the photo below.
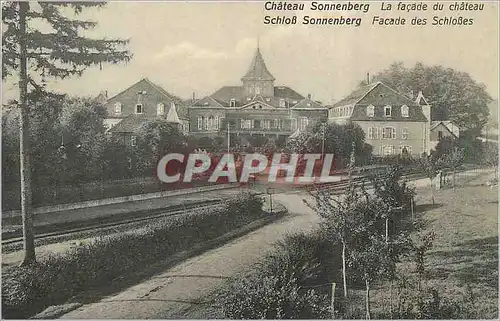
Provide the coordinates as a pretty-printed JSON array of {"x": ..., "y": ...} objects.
[
  {"x": 387, "y": 111},
  {"x": 282, "y": 103},
  {"x": 405, "y": 111},
  {"x": 118, "y": 108},
  {"x": 160, "y": 109},
  {"x": 370, "y": 111},
  {"x": 138, "y": 109},
  {"x": 232, "y": 102}
]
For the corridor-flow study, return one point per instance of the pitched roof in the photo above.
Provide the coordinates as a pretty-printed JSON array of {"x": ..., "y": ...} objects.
[
  {"x": 308, "y": 104},
  {"x": 380, "y": 95},
  {"x": 356, "y": 95},
  {"x": 226, "y": 93},
  {"x": 131, "y": 123},
  {"x": 258, "y": 69}
]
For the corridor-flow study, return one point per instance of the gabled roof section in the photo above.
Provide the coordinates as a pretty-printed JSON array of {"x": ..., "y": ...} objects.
[
  {"x": 149, "y": 83},
  {"x": 258, "y": 103},
  {"x": 258, "y": 69},
  {"x": 436, "y": 124},
  {"x": 207, "y": 101},
  {"x": 308, "y": 104},
  {"x": 356, "y": 95},
  {"x": 131, "y": 124}
]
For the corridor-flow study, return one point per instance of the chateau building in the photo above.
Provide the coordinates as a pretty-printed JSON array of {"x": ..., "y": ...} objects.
[
  {"x": 257, "y": 107},
  {"x": 393, "y": 123},
  {"x": 143, "y": 101}
]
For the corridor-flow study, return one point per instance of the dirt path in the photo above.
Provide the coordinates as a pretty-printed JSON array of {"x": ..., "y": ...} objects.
[{"x": 167, "y": 294}]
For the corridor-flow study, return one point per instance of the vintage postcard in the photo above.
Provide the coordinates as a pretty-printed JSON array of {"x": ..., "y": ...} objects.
[{"x": 250, "y": 159}]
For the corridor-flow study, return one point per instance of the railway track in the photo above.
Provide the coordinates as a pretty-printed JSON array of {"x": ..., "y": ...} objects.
[{"x": 67, "y": 229}]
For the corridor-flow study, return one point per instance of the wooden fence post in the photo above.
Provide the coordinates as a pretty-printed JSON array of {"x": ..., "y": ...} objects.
[{"x": 333, "y": 300}]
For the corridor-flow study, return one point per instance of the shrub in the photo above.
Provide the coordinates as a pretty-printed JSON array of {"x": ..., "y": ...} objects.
[
  {"x": 27, "y": 290},
  {"x": 290, "y": 282}
]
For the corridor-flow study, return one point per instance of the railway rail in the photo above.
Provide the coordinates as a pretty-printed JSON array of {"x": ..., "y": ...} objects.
[{"x": 66, "y": 229}]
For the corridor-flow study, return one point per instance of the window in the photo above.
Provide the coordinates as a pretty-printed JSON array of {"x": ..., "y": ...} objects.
[
  {"x": 232, "y": 102},
  {"x": 118, "y": 108},
  {"x": 370, "y": 132},
  {"x": 375, "y": 132},
  {"x": 405, "y": 150},
  {"x": 370, "y": 111},
  {"x": 200, "y": 122},
  {"x": 133, "y": 140},
  {"x": 266, "y": 124},
  {"x": 211, "y": 124},
  {"x": 387, "y": 111},
  {"x": 440, "y": 135},
  {"x": 160, "y": 109},
  {"x": 389, "y": 133},
  {"x": 205, "y": 123},
  {"x": 294, "y": 124},
  {"x": 405, "y": 111},
  {"x": 216, "y": 124},
  {"x": 282, "y": 103},
  {"x": 405, "y": 134},
  {"x": 246, "y": 124},
  {"x": 257, "y": 90},
  {"x": 388, "y": 150},
  {"x": 138, "y": 109},
  {"x": 303, "y": 122}
]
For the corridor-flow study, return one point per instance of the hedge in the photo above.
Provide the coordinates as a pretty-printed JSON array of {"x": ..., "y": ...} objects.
[{"x": 28, "y": 290}]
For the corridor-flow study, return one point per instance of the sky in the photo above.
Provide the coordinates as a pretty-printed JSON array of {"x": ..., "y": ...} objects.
[{"x": 198, "y": 47}]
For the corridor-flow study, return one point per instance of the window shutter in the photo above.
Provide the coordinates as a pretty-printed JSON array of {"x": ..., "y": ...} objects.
[
  {"x": 393, "y": 133},
  {"x": 370, "y": 132}
]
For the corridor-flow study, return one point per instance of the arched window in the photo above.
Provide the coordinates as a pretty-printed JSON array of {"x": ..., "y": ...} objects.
[
  {"x": 387, "y": 111},
  {"x": 118, "y": 108},
  {"x": 370, "y": 111},
  {"x": 404, "y": 111},
  {"x": 160, "y": 109},
  {"x": 211, "y": 123}
]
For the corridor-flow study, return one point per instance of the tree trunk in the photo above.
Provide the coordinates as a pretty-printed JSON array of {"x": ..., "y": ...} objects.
[
  {"x": 367, "y": 299},
  {"x": 432, "y": 193},
  {"x": 454, "y": 178},
  {"x": 24, "y": 144},
  {"x": 344, "y": 272}
]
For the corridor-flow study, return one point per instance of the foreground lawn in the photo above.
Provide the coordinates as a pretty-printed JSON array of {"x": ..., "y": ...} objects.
[{"x": 465, "y": 249}]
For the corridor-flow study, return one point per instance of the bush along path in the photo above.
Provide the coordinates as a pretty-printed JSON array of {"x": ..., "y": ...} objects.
[
  {"x": 366, "y": 245},
  {"x": 28, "y": 290}
]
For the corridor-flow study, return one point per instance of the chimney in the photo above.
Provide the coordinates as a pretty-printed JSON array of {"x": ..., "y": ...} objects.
[
  {"x": 367, "y": 78},
  {"x": 106, "y": 94},
  {"x": 194, "y": 97},
  {"x": 309, "y": 96}
]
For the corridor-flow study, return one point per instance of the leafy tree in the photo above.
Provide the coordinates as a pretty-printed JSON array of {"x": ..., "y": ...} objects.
[
  {"x": 60, "y": 53},
  {"x": 454, "y": 159},
  {"x": 340, "y": 218},
  {"x": 371, "y": 260},
  {"x": 430, "y": 165},
  {"x": 454, "y": 95}
]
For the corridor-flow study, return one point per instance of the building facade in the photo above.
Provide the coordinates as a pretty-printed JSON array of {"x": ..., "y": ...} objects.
[
  {"x": 256, "y": 108},
  {"x": 142, "y": 102},
  {"x": 393, "y": 123}
]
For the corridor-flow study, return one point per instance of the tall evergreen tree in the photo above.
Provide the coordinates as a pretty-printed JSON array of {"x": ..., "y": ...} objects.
[{"x": 33, "y": 54}]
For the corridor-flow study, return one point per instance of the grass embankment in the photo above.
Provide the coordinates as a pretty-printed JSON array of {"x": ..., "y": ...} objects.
[
  {"x": 461, "y": 269},
  {"x": 28, "y": 290}
]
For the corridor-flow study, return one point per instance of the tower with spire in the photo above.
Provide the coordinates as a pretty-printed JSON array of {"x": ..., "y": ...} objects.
[{"x": 258, "y": 80}]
